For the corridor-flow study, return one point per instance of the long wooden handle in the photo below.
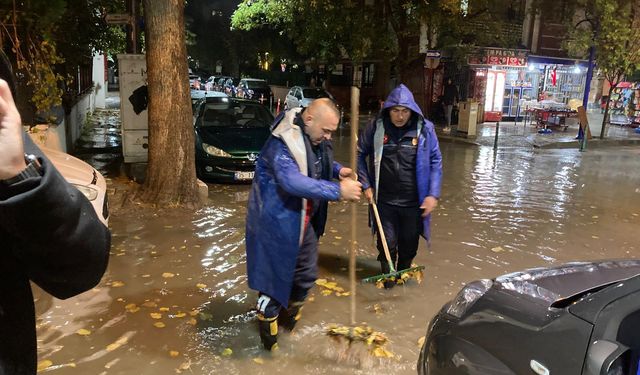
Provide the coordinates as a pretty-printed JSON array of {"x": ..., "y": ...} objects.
[
  {"x": 382, "y": 236},
  {"x": 355, "y": 102}
]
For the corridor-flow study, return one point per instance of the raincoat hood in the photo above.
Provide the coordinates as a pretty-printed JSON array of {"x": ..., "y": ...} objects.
[{"x": 401, "y": 96}]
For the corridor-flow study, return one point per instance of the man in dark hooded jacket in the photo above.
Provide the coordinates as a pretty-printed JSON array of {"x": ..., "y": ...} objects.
[
  {"x": 49, "y": 234},
  {"x": 404, "y": 175}
]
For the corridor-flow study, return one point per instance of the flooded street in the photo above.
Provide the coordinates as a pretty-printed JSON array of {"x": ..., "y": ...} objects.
[{"x": 175, "y": 297}]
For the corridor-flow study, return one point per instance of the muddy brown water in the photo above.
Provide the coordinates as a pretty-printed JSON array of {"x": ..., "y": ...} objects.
[{"x": 499, "y": 212}]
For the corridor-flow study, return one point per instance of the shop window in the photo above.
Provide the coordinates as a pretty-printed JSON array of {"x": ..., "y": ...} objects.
[{"x": 368, "y": 74}]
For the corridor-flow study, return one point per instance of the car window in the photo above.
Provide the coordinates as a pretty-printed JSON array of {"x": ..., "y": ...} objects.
[
  {"x": 298, "y": 94},
  {"x": 257, "y": 84},
  {"x": 240, "y": 114},
  {"x": 316, "y": 93}
]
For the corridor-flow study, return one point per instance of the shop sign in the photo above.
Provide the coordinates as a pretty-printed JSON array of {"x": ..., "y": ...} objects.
[{"x": 499, "y": 57}]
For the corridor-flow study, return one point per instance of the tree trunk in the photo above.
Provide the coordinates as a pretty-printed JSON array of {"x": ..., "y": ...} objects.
[
  {"x": 605, "y": 119},
  {"x": 171, "y": 175}
]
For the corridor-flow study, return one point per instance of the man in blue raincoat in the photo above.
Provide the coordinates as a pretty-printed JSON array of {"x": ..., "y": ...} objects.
[
  {"x": 403, "y": 176},
  {"x": 287, "y": 212}
]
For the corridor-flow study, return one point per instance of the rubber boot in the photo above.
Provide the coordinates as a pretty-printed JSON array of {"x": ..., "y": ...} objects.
[
  {"x": 384, "y": 267},
  {"x": 268, "y": 328},
  {"x": 404, "y": 264},
  {"x": 289, "y": 317}
]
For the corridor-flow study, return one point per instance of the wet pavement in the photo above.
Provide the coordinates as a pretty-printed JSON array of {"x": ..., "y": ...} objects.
[{"x": 175, "y": 299}]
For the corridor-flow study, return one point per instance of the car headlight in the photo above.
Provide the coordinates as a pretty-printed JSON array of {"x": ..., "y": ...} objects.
[
  {"x": 214, "y": 151},
  {"x": 88, "y": 192},
  {"x": 468, "y": 296}
]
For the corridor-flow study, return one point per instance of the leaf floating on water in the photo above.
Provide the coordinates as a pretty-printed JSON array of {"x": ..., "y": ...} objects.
[
  {"x": 194, "y": 312},
  {"x": 159, "y": 325},
  {"x": 117, "y": 284},
  {"x": 173, "y": 353},
  {"x": 83, "y": 332},
  {"x": 168, "y": 275},
  {"x": 156, "y": 315},
  {"x": 192, "y": 321},
  {"x": 227, "y": 352},
  {"x": 421, "y": 341},
  {"x": 337, "y": 237},
  {"x": 132, "y": 308},
  {"x": 150, "y": 304},
  {"x": 259, "y": 361},
  {"x": 119, "y": 342},
  {"x": 180, "y": 315},
  {"x": 326, "y": 292},
  {"x": 381, "y": 352},
  {"x": 165, "y": 309},
  {"x": 498, "y": 249},
  {"x": 201, "y": 286},
  {"x": 43, "y": 365}
]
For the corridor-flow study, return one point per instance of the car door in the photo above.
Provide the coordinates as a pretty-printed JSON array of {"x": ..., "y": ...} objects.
[{"x": 288, "y": 101}]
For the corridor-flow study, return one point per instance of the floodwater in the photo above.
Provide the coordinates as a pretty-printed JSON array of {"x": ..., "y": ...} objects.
[{"x": 175, "y": 297}]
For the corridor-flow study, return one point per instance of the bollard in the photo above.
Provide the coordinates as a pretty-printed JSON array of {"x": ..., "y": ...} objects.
[{"x": 495, "y": 141}]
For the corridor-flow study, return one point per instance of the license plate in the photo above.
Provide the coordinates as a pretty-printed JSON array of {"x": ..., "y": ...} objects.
[{"x": 243, "y": 176}]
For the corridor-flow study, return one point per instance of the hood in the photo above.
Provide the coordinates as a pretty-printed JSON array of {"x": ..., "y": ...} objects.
[
  {"x": 559, "y": 285},
  {"x": 402, "y": 96},
  {"x": 73, "y": 169},
  {"x": 234, "y": 140}
]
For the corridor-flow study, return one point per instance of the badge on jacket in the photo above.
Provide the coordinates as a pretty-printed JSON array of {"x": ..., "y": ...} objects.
[
  {"x": 386, "y": 139},
  {"x": 414, "y": 141}
]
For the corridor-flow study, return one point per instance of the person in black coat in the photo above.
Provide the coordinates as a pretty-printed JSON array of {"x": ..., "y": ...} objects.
[
  {"x": 450, "y": 98},
  {"x": 49, "y": 234}
]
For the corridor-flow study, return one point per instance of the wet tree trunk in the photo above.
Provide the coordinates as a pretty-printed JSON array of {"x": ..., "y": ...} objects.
[
  {"x": 605, "y": 119},
  {"x": 171, "y": 176}
]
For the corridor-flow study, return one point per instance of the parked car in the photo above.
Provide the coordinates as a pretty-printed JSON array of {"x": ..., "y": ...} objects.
[
  {"x": 195, "y": 82},
  {"x": 199, "y": 96},
  {"x": 84, "y": 177},
  {"x": 230, "y": 133},
  {"x": 255, "y": 89},
  {"x": 299, "y": 96},
  {"x": 578, "y": 318}
]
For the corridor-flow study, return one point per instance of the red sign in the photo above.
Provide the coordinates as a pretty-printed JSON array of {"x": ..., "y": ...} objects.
[{"x": 499, "y": 57}]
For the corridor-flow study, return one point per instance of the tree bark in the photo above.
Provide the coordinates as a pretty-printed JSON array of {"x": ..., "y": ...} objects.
[{"x": 171, "y": 175}]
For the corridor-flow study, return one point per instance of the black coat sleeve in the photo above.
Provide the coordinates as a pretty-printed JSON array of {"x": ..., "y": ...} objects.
[{"x": 57, "y": 236}]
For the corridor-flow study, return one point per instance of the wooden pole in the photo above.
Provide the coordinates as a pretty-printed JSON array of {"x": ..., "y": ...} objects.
[{"x": 355, "y": 113}]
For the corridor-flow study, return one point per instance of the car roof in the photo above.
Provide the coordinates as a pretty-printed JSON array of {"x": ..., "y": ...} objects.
[{"x": 557, "y": 285}]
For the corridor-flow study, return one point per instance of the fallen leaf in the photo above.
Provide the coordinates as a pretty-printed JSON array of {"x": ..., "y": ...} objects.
[
  {"x": 117, "y": 284},
  {"x": 498, "y": 249},
  {"x": 43, "y": 365},
  {"x": 150, "y": 304},
  {"x": 180, "y": 315},
  {"x": 159, "y": 325},
  {"x": 227, "y": 352},
  {"x": 156, "y": 315},
  {"x": 381, "y": 352},
  {"x": 173, "y": 353},
  {"x": 83, "y": 332},
  {"x": 167, "y": 275},
  {"x": 146, "y": 275},
  {"x": 259, "y": 361},
  {"x": 164, "y": 309},
  {"x": 595, "y": 237},
  {"x": 421, "y": 341},
  {"x": 192, "y": 321},
  {"x": 132, "y": 308},
  {"x": 201, "y": 286}
]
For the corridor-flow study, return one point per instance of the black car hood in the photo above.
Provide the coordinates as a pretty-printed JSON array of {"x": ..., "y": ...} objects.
[
  {"x": 560, "y": 286},
  {"x": 234, "y": 140}
]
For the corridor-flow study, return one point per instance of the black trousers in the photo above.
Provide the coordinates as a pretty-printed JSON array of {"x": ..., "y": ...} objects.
[
  {"x": 304, "y": 277},
  {"x": 402, "y": 227}
]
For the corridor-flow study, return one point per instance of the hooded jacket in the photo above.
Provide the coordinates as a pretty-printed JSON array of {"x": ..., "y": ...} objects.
[
  {"x": 428, "y": 158},
  {"x": 277, "y": 208}
]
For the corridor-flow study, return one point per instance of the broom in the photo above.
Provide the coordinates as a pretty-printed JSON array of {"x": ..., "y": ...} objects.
[
  {"x": 373, "y": 340},
  {"x": 398, "y": 276}
]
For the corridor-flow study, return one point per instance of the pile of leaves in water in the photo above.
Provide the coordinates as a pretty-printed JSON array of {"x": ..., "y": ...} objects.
[
  {"x": 374, "y": 340},
  {"x": 331, "y": 287},
  {"x": 417, "y": 275}
]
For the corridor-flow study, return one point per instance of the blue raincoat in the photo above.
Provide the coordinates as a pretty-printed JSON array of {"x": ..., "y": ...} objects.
[
  {"x": 428, "y": 158},
  {"x": 277, "y": 208}
]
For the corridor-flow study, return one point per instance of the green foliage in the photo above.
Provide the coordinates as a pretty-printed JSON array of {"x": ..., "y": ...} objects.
[
  {"x": 613, "y": 28},
  {"x": 48, "y": 38}
]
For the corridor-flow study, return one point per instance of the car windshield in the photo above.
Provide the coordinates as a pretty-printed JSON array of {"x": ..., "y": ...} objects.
[
  {"x": 315, "y": 93},
  {"x": 257, "y": 84},
  {"x": 235, "y": 114}
]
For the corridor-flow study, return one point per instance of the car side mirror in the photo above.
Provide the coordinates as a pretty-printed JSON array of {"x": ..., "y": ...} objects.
[{"x": 607, "y": 357}]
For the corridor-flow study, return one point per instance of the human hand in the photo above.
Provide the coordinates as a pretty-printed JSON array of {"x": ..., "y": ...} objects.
[
  {"x": 368, "y": 193},
  {"x": 346, "y": 172},
  {"x": 11, "y": 147},
  {"x": 428, "y": 204},
  {"x": 350, "y": 189}
]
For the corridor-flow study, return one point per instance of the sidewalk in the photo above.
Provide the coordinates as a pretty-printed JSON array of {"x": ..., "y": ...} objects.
[{"x": 520, "y": 135}]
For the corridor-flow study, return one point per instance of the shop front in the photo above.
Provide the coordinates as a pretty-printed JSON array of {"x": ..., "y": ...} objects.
[{"x": 506, "y": 82}]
